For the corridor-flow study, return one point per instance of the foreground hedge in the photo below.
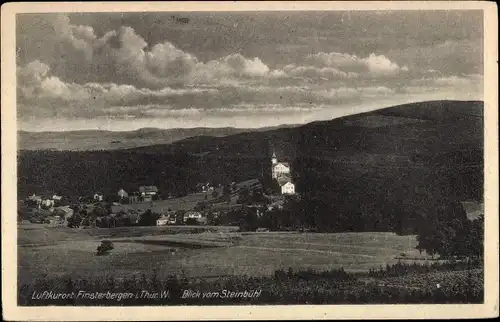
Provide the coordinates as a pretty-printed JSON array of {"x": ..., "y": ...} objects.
[{"x": 432, "y": 285}]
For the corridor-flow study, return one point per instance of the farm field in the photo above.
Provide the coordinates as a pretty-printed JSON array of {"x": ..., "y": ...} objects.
[
  {"x": 182, "y": 203},
  {"x": 160, "y": 206},
  {"x": 217, "y": 251}
]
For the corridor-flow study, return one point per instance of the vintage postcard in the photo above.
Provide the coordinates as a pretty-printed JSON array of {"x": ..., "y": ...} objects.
[{"x": 249, "y": 160}]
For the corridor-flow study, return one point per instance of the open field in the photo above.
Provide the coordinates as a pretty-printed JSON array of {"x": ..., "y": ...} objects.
[
  {"x": 35, "y": 234},
  {"x": 218, "y": 251},
  {"x": 161, "y": 206},
  {"x": 182, "y": 203}
]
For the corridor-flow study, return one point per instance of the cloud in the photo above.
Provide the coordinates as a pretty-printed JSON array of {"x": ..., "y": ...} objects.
[
  {"x": 375, "y": 65},
  {"x": 439, "y": 80},
  {"x": 380, "y": 65},
  {"x": 454, "y": 80},
  {"x": 35, "y": 82},
  {"x": 165, "y": 64},
  {"x": 124, "y": 56},
  {"x": 120, "y": 71},
  {"x": 81, "y": 38},
  {"x": 166, "y": 60},
  {"x": 447, "y": 57},
  {"x": 150, "y": 110},
  {"x": 246, "y": 67},
  {"x": 469, "y": 86},
  {"x": 315, "y": 72},
  {"x": 350, "y": 94},
  {"x": 32, "y": 73}
]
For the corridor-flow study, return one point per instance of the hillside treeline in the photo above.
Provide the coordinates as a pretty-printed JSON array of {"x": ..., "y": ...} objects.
[
  {"x": 83, "y": 173},
  {"x": 336, "y": 196},
  {"x": 389, "y": 197}
]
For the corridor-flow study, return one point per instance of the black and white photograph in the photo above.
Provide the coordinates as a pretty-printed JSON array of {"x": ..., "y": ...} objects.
[{"x": 250, "y": 157}]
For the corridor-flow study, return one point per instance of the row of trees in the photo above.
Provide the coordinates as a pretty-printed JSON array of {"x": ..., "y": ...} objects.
[
  {"x": 450, "y": 234},
  {"x": 100, "y": 216},
  {"x": 335, "y": 286},
  {"x": 445, "y": 231},
  {"x": 85, "y": 172}
]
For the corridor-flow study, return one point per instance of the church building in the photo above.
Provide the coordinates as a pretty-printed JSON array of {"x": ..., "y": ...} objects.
[{"x": 280, "y": 171}]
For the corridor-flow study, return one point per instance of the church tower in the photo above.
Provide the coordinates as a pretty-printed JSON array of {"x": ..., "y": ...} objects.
[{"x": 274, "y": 159}]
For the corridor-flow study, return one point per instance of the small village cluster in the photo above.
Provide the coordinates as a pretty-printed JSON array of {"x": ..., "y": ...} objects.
[{"x": 60, "y": 208}]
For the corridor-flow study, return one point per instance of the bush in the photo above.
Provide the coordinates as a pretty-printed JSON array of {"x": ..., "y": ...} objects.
[
  {"x": 191, "y": 222},
  {"x": 149, "y": 218},
  {"x": 75, "y": 221},
  {"x": 105, "y": 247}
]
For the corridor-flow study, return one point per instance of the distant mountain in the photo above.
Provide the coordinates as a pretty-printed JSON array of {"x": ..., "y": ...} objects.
[
  {"x": 408, "y": 130},
  {"x": 87, "y": 140}
]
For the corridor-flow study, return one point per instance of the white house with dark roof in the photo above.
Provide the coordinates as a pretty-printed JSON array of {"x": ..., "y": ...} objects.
[
  {"x": 148, "y": 190},
  {"x": 286, "y": 185}
]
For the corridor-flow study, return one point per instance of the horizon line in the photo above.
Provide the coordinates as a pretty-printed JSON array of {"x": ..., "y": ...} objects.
[{"x": 242, "y": 128}]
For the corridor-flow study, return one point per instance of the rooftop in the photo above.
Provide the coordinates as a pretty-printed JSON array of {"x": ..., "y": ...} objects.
[
  {"x": 284, "y": 180},
  {"x": 148, "y": 189}
]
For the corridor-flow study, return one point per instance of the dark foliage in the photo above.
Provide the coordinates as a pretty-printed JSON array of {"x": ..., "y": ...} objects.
[
  {"x": 104, "y": 248},
  {"x": 75, "y": 221},
  {"x": 396, "y": 284},
  {"x": 148, "y": 218},
  {"x": 449, "y": 234}
]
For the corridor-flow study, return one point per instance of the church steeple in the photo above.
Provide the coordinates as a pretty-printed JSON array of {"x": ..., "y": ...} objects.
[{"x": 274, "y": 159}]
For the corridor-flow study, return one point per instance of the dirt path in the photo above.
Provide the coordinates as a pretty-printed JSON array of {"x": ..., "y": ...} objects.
[{"x": 304, "y": 250}]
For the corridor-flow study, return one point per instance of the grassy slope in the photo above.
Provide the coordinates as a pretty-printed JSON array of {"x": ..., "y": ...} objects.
[{"x": 71, "y": 252}]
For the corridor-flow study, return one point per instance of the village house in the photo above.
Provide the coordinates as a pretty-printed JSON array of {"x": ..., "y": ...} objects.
[
  {"x": 204, "y": 187},
  {"x": 61, "y": 215},
  {"x": 47, "y": 203},
  {"x": 286, "y": 186},
  {"x": 162, "y": 221},
  {"x": 98, "y": 196},
  {"x": 148, "y": 190},
  {"x": 473, "y": 209},
  {"x": 133, "y": 198},
  {"x": 192, "y": 215},
  {"x": 122, "y": 194},
  {"x": 249, "y": 184},
  {"x": 36, "y": 199}
]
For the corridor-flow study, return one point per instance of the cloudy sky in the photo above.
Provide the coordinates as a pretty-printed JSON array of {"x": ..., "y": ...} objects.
[{"x": 126, "y": 71}]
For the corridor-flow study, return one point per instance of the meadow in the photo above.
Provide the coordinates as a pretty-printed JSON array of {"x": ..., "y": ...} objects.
[
  {"x": 200, "y": 251},
  {"x": 181, "y": 203},
  {"x": 162, "y": 206}
]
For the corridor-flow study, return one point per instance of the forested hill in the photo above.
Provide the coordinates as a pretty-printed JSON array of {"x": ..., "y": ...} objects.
[
  {"x": 378, "y": 165},
  {"x": 424, "y": 128}
]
